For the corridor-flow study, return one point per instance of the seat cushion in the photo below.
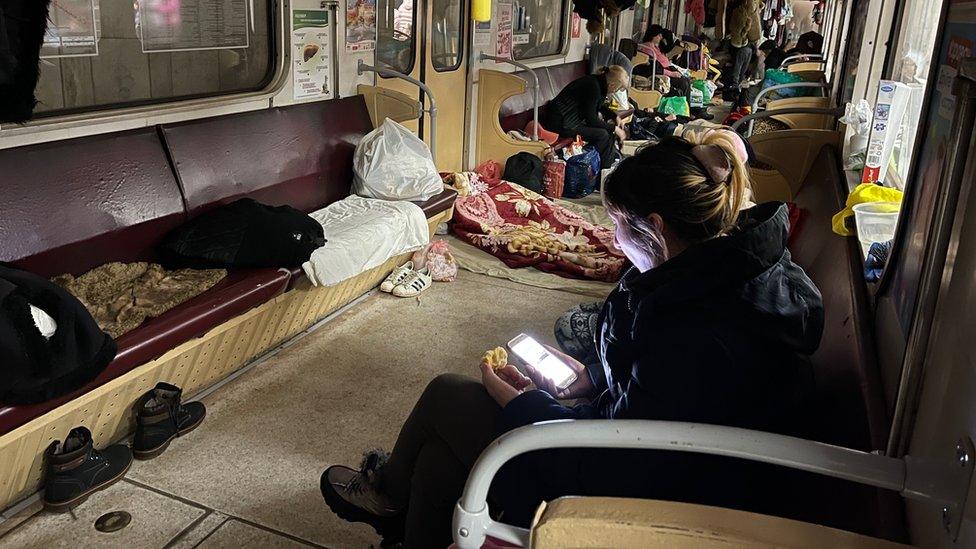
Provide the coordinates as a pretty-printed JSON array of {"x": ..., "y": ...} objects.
[
  {"x": 299, "y": 155},
  {"x": 239, "y": 292},
  {"x": 69, "y": 206}
]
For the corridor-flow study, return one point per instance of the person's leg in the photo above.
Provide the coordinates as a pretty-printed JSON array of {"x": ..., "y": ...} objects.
[
  {"x": 576, "y": 332},
  {"x": 602, "y": 140},
  {"x": 438, "y": 480},
  {"x": 742, "y": 57},
  {"x": 453, "y": 410}
]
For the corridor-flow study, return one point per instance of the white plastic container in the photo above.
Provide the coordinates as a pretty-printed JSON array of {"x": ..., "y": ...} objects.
[{"x": 876, "y": 222}]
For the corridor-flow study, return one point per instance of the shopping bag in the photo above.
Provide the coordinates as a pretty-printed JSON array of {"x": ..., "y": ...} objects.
[
  {"x": 391, "y": 163},
  {"x": 704, "y": 88},
  {"x": 582, "y": 174},
  {"x": 697, "y": 98},
  {"x": 674, "y": 105}
]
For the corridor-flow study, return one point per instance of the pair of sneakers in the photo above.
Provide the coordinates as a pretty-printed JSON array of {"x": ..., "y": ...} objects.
[{"x": 405, "y": 281}]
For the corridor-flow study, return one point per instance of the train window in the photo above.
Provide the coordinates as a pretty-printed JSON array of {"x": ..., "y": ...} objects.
[
  {"x": 395, "y": 41},
  {"x": 446, "y": 45},
  {"x": 640, "y": 22},
  {"x": 169, "y": 58},
  {"x": 909, "y": 63},
  {"x": 538, "y": 27}
]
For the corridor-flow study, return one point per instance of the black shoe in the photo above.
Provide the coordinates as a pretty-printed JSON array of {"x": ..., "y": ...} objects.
[
  {"x": 75, "y": 469},
  {"x": 161, "y": 418},
  {"x": 354, "y": 496}
]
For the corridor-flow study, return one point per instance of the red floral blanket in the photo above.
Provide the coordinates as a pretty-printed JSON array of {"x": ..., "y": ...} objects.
[{"x": 525, "y": 229}]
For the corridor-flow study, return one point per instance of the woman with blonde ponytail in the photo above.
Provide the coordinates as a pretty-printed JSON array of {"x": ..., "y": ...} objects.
[{"x": 712, "y": 325}]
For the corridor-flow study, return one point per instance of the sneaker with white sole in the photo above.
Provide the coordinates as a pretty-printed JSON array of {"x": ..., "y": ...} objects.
[
  {"x": 414, "y": 284},
  {"x": 396, "y": 277}
]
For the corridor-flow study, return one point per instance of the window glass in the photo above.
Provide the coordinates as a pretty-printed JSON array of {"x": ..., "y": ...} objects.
[
  {"x": 446, "y": 46},
  {"x": 909, "y": 63},
  {"x": 640, "y": 22},
  {"x": 395, "y": 23},
  {"x": 538, "y": 27},
  {"x": 120, "y": 73}
]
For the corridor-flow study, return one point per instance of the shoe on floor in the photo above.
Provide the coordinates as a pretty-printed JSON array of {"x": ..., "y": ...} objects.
[
  {"x": 75, "y": 469},
  {"x": 161, "y": 417},
  {"x": 414, "y": 284},
  {"x": 353, "y": 495},
  {"x": 396, "y": 277}
]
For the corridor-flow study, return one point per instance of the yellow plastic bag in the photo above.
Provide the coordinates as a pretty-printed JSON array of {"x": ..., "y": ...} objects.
[{"x": 842, "y": 222}]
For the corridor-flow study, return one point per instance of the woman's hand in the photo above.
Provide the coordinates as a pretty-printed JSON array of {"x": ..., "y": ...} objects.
[
  {"x": 503, "y": 385},
  {"x": 620, "y": 133},
  {"x": 581, "y": 387}
]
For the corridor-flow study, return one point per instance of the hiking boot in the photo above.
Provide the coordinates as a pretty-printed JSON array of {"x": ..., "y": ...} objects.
[
  {"x": 354, "y": 496},
  {"x": 75, "y": 469},
  {"x": 161, "y": 418}
]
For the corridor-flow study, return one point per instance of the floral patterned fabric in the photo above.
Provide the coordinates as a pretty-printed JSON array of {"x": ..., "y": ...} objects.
[{"x": 526, "y": 229}]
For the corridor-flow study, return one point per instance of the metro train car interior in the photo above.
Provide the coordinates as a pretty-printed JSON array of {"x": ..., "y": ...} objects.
[{"x": 487, "y": 273}]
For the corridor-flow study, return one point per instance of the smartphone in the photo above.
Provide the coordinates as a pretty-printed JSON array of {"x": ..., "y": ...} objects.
[{"x": 530, "y": 351}]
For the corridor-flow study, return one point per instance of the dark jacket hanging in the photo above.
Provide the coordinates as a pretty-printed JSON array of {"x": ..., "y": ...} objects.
[{"x": 22, "y": 24}]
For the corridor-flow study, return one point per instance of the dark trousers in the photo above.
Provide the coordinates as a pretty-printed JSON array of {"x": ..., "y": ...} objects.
[
  {"x": 454, "y": 420},
  {"x": 741, "y": 56}
]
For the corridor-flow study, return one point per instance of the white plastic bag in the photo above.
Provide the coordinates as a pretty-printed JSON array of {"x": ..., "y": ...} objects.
[
  {"x": 391, "y": 163},
  {"x": 858, "y": 117}
]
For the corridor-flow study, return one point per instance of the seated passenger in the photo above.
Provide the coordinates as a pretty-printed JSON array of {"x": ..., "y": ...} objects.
[
  {"x": 655, "y": 38},
  {"x": 771, "y": 55},
  {"x": 713, "y": 324},
  {"x": 576, "y": 111}
]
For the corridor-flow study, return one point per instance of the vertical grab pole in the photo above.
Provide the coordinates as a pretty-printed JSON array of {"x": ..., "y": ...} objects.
[
  {"x": 362, "y": 67},
  {"x": 535, "y": 87}
]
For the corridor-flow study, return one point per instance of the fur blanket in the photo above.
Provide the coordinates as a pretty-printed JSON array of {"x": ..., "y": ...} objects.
[
  {"x": 525, "y": 229},
  {"x": 121, "y": 296}
]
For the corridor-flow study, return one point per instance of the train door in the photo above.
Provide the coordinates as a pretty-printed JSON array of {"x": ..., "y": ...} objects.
[
  {"x": 425, "y": 39},
  {"x": 445, "y": 73}
]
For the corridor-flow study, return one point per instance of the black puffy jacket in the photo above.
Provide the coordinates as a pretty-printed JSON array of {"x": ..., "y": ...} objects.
[{"x": 719, "y": 334}]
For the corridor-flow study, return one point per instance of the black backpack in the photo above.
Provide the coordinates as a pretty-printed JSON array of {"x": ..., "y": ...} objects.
[
  {"x": 243, "y": 233},
  {"x": 34, "y": 369},
  {"x": 526, "y": 170}
]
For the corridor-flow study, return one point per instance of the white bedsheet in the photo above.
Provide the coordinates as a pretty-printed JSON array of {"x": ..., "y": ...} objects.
[{"x": 363, "y": 233}]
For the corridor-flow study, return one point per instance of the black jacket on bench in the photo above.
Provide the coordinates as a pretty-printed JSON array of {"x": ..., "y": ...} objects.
[{"x": 719, "y": 334}]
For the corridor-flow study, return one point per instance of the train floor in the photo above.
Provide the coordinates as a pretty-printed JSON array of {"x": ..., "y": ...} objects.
[{"x": 249, "y": 475}]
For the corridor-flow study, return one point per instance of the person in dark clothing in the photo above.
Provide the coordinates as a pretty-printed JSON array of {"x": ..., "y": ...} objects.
[
  {"x": 713, "y": 324},
  {"x": 577, "y": 108},
  {"x": 772, "y": 54}
]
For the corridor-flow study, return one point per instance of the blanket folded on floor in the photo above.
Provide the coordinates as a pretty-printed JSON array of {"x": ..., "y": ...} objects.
[
  {"x": 364, "y": 233},
  {"x": 121, "y": 296},
  {"x": 525, "y": 229}
]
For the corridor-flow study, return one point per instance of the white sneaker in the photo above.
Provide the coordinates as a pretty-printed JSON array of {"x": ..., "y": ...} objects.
[
  {"x": 414, "y": 284},
  {"x": 396, "y": 277}
]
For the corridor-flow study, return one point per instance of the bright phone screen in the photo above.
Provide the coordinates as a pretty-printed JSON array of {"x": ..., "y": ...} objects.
[{"x": 533, "y": 353}]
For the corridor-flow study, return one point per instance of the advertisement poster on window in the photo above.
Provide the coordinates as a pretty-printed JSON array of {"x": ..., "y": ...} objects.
[
  {"x": 72, "y": 29},
  {"x": 957, "y": 41},
  {"x": 482, "y": 34},
  {"x": 187, "y": 25},
  {"x": 503, "y": 37},
  {"x": 361, "y": 23},
  {"x": 311, "y": 37},
  {"x": 577, "y": 25}
]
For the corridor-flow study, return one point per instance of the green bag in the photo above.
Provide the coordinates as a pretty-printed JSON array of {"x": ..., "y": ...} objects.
[
  {"x": 701, "y": 86},
  {"x": 674, "y": 105}
]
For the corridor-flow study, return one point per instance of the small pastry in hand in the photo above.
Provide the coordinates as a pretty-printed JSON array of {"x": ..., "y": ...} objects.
[{"x": 497, "y": 358}]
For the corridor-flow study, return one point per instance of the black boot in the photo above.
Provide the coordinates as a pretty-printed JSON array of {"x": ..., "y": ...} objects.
[
  {"x": 75, "y": 469},
  {"x": 161, "y": 418},
  {"x": 355, "y": 496}
]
